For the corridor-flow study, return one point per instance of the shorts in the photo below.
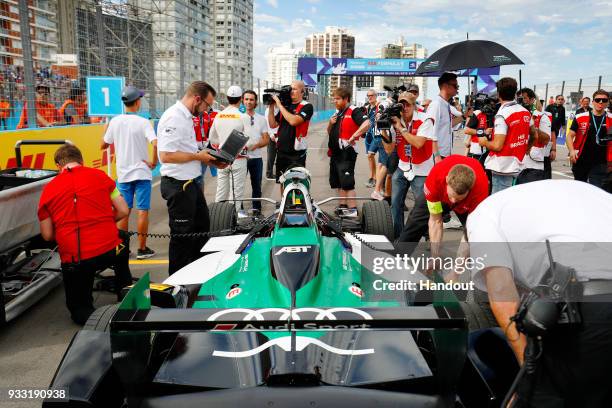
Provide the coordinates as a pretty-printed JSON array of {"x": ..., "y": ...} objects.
[
  {"x": 383, "y": 156},
  {"x": 142, "y": 190},
  {"x": 286, "y": 161},
  {"x": 342, "y": 169},
  {"x": 372, "y": 144},
  {"x": 390, "y": 161}
]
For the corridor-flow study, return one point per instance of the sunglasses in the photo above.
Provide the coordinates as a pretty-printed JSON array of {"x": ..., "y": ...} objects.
[
  {"x": 371, "y": 95},
  {"x": 601, "y": 100},
  {"x": 252, "y": 120}
]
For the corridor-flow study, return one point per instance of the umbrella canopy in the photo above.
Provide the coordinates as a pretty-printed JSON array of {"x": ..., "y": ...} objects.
[{"x": 468, "y": 54}]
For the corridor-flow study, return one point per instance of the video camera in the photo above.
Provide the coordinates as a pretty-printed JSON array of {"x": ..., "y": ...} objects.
[
  {"x": 284, "y": 94},
  {"x": 384, "y": 120},
  {"x": 487, "y": 106},
  {"x": 395, "y": 91}
]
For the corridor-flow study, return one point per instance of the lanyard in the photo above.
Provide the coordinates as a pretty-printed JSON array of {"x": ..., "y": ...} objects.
[{"x": 598, "y": 128}]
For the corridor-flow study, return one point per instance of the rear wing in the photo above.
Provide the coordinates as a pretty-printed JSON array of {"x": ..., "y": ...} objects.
[{"x": 135, "y": 314}]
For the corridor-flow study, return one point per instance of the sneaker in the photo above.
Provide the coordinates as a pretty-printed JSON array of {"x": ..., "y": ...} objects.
[
  {"x": 453, "y": 223},
  {"x": 340, "y": 209},
  {"x": 371, "y": 183},
  {"x": 145, "y": 253},
  {"x": 377, "y": 196},
  {"x": 271, "y": 178},
  {"x": 350, "y": 212}
]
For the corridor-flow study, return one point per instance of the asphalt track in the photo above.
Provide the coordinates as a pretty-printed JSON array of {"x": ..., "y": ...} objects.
[{"x": 32, "y": 346}]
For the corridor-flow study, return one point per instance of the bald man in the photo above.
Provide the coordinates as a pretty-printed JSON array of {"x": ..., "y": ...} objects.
[{"x": 292, "y": 122}]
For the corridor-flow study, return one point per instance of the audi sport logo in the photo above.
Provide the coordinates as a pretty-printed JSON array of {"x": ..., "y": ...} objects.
[
  {"x": 301, "y": 342},
  {"x": 278, "y": 313}
]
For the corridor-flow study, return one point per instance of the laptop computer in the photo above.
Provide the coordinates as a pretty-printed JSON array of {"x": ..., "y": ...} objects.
[{"x": 231, "y": 148}]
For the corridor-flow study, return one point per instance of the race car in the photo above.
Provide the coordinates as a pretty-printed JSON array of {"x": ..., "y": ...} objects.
[{"x": 285, "y": 315}]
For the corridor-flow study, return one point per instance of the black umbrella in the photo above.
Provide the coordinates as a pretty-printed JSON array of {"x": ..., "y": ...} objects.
[{"x": 468, "y": 54}]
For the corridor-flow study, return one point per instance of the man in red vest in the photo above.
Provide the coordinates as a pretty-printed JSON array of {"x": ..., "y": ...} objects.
[
  {"x": 590, "y": 141},
  {"x": 345, "y": 127}
]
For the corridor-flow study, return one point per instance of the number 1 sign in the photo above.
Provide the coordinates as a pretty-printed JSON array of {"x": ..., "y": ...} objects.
[{"x": 104, "y": 96}]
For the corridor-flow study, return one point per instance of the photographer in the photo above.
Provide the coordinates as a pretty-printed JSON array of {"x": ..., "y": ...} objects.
[
  {"x": 589, "y": 139},
  {"x": 510, "y": 137},
  {"x": 292, "y": 122},
  {"x": 480, "y": 124},
  {"x": 345, "y": 127},
  {"x": 415, "y": 159},
  {"x": 572, "y": 370},
  {"x": 533, "y": 162}
]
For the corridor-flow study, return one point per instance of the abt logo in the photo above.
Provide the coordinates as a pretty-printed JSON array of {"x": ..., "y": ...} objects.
[{"x": 292, "y": 249}]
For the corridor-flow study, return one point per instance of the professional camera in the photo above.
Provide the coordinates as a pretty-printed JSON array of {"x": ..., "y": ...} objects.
[
  {"x": 384, "y": 120},
  {"x": 487, "y": 106},
  {"x": 284, "y": 94},
  {"x": 395, "y": 91}
]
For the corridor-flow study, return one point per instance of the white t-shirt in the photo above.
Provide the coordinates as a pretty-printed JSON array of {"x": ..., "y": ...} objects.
[
  {"x": 131, "y": 135},
  {"x": 227, "y": 120},
  {"x": 437, "y": 125},
  {"x": 510, "y": 228},
  {"x": 175, "y": 133},
  {"x": 255, "y": 132}
]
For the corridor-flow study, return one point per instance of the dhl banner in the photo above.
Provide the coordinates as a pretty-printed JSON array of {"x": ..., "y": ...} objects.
[{"x": 86, "y": 137}]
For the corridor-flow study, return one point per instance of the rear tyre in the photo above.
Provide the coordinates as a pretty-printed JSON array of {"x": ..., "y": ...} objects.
[
  {"x": 100, "y": 318},
  {"x": 222, "y": 216},
  {"x": 376, "y": 219}
]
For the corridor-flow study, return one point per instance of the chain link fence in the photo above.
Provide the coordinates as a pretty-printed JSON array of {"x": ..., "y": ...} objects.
[{"x": 158, "y": 46}]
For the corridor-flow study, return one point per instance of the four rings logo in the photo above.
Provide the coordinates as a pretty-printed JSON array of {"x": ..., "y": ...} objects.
[{"x": 284, "y": 343}]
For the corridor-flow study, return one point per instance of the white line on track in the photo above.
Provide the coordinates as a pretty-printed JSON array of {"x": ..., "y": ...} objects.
[{"x": 558, "y": 173}]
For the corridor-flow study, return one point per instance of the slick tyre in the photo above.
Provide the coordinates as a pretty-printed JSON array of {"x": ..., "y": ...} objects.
[
  {"x": 376, "y": 219},
  {"x": 100, "y": 318},
  {"x": 222, "y": 216},
  {"x": 479, "y": 315}
]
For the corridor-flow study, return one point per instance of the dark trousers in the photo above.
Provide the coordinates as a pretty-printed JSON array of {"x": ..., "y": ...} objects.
[
  {"x": 529, "y": 175},
  {"x": 255, "y": 170},
  {"x": 3, "y": 123},
  {"x": 573, "y": 370},
  {"x": 79, "y": 278},
  {"x": 547, "y": 168},
  {"x": 271, "y": 158},
  {"x": 594, "y": 174},
  {"x": 187, "y": 213},
  {"x": 417, "y": 225}
]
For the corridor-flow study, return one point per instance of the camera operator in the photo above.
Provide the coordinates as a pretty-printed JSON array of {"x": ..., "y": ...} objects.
[
  {"x": 510, "y": 137},
  {"x": 533, "y": 162},
  {"x": 439, "y": 121},
  {"x": 415, "y": 158},
  {"x": 292, "y": 122},
  {"x": 589, "y": 140},
  {"x": 509, "y": 237},
  {"x": 345, "y": 127},
  {"x": 480, "y": 124}
]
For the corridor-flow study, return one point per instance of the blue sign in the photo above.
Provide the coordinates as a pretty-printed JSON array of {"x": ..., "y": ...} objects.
[
  {"x": 104, "y": 96},
  {"x": 381, "y": 66}
]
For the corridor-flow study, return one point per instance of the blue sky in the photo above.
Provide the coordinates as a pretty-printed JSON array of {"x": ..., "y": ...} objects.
[{"x": 557, "y": 40}]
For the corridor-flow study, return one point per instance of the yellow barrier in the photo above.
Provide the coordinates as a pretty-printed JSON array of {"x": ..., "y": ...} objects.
[{"x": 86, "y": 137}]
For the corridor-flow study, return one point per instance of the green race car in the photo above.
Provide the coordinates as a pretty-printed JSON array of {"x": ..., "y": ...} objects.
[{"x": 286, "y": 315}]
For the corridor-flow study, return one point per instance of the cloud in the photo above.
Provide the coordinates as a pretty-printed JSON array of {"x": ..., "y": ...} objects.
[
  {"x": 313, "y": 10},
  {"x": 564, "y": 52},
  {"x": 273, "y": 3}
]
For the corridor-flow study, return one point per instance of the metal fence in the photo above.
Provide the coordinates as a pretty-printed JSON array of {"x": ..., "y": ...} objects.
[
  {"x": 573, "y": 90},
  {"x": 159, "y": 46}
]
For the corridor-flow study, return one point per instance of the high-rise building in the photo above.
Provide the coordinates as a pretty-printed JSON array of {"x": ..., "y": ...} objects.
[
  {"x": 182, "y": 37},
  {"x": 43, "y": 32},
  {"x": 335, "y": 42},
  {"x": 283, "y": 63},
  {"x": 401, "y": 49},
  {"x": 233, "y": 42}
]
